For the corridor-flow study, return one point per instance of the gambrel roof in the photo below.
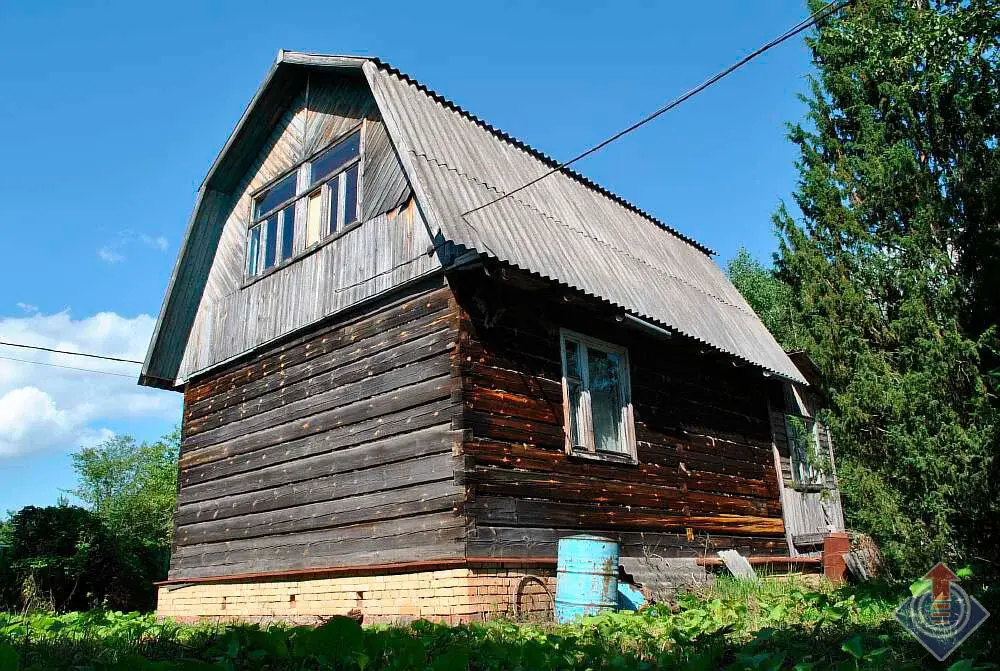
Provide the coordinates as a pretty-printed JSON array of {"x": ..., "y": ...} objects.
[{"x": 564, "y": 228}]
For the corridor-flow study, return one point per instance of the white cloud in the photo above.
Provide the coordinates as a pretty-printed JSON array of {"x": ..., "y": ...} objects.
[
  {"x": 28, "y": 307},
  {"x": 159, "y": 242},
  {"x": 45, "y": 407},
  {"x": 109, "y": 255},
  {"x": 114, "y": 251}
]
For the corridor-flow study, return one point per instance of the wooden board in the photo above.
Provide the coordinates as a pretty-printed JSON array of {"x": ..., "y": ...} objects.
[
  {"x": 705, "y": 477},
  {"x": 389, "y": 249},
  {"x": 332, "y": 448}
]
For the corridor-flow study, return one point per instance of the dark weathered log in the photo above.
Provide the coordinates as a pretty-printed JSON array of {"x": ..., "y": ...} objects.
[
  {"x": 404, "y": 346},
  {"x": 508, "y": 511},
  {"x": 331, "y": 545},
  {"x": 513, "y": 542},
  {"x": 382, "y": 505},
  {"x": 332, "y": 397},
  {"x": 372, "y": 320},
  {"x": 335, "y": 447},
  {"x": 355, "y": 459}
]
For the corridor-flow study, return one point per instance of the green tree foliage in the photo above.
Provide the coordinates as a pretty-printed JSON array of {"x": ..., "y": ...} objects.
[
  {"x": 131, "y": 486},
  {"x": 768, "y": 295},
  {"x": 61, "y": 557},
  {"x": 894, "y": 267},
  {"x": 108, "y": 554}
]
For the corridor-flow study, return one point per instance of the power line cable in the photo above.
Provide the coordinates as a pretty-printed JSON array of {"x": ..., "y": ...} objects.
[
  {"x": 55, "y": 365},
  {"x": 62, "y": 351},
  {"x": 813, "y": 19}
]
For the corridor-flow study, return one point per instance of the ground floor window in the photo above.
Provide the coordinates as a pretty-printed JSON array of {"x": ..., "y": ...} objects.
[{"x": 597, "y": 397}]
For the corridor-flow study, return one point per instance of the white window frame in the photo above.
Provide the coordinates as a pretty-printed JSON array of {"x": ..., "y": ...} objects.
[
  {"x": 304, "y": 188},
  {"x": 586, "y": 418}
]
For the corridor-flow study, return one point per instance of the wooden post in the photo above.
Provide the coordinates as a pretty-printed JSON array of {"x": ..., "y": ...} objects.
[{"x": 835, "y": 546}]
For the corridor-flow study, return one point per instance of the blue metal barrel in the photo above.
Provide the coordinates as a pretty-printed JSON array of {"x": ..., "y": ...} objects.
[{"x": 587, "y": 577}]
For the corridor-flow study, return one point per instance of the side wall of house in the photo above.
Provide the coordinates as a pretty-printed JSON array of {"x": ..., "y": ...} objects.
[
  {"x": 334, "y": 448},
  {"x": 388, "y": 249},
  {"x": 705, "y": 479}
]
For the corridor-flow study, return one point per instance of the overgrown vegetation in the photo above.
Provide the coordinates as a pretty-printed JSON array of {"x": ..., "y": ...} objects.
[
  {"x": 734, "y": 625},
  {"x": 107, "y": 555},
  {"x": 889, "y": 277}
]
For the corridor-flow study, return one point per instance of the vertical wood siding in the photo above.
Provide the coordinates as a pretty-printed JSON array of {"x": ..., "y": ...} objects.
[
  {"x": 332, "y": 449},
  {"x": 387, "y": 250},
  {"x": 704, "y": 446}
]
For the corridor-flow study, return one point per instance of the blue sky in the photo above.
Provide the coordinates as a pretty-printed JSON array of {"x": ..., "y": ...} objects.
[{"x": 113, "y": 112}]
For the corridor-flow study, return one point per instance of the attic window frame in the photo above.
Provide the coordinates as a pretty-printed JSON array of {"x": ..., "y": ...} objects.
[
  {"x": 304, "y": 189},
  {"x": 589, "y": 450}
]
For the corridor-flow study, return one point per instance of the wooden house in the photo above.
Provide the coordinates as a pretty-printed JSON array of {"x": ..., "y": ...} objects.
[{"x": 400, "y": 391}]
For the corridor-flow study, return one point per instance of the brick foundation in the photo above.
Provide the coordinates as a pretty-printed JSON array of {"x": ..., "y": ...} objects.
[{"x": 452, "y": 595}]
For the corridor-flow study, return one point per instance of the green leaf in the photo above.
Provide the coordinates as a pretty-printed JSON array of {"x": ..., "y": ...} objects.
[
  {"x": 9, "y": 659},
  {"x": 962, "y": 665},
  {"x": 341, "y": 638},
  {"x": 964, "y": 572},
  {"x": 920, "y": 586},
  {"x": 854, "y": 646}
]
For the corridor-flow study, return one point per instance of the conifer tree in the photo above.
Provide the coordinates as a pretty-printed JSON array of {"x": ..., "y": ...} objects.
[{"x": 894, "y": 268}]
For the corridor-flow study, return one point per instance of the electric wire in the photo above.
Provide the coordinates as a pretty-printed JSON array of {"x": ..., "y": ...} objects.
[
  {"x": 61, "y": 351},
  {"x": 56, "y": 365},
  {"x": 813, "y": 19}
]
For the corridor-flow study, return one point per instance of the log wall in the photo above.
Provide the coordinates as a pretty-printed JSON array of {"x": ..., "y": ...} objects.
[
  {"x": 705, "y": 477},
  {"x": 334, "y": 448}
]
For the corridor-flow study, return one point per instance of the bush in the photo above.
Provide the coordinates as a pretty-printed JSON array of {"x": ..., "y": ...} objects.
[{"x": 64, "y": 558}]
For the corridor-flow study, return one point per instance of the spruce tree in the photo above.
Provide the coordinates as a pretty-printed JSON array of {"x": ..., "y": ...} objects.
[{"x": 894, "y": 268}]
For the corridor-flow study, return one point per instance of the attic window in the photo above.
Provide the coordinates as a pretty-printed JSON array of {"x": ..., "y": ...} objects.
[
  {"x": 272, "y": 234},
  {"x": 333, "y": 202},
  {"x": 329, "y": 202},
  {"x": 596, "y": 398}
]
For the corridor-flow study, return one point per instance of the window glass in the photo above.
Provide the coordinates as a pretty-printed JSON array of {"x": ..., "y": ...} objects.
[
  {"x": 328, "y": 206},
  {"x": 253, "y": 250},
  {"x": 574, "y": 389},
  {"x": 351, "y": 195},
  {"x": 334, "y": 215},
  {"x": 270, "y": 241},
  {"x": 334, "y": 158},
  {"x": 595, "y": 378},
  {"x": 275, "y": 196},
  {"x": 287, "y": 231},
  {"x": 604, "y": 369},
  {"x": 314, "y": 217},
  {"x": 803, "y": 443}
]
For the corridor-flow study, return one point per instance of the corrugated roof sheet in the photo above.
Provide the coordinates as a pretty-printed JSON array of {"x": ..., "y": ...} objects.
[{"x": 563, "y": 228}]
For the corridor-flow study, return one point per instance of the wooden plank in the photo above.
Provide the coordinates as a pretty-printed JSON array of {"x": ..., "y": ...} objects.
[
  {"x": 382, "y": 425},
  {"x": 509, "y": 511},
  {"x": 386, "y": 450},
  {"x": 308, "y": 362},
  {"x": 514, "y": 542},
  {"x": 361, "y": 363},
  {"x": 737, "y": 564},
  {"x": 373, "y": 320},
  {"x": 419, "y": 536},
  {"x": 413, "y": 383},
  {"x": 433, "y": 545},
  {"x": 428, "y": 497}
]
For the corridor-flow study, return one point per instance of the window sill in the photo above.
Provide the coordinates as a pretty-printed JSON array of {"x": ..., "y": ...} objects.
[
  {"x": 308, "y": 251},
  {"x": 605, "y": 457}
]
